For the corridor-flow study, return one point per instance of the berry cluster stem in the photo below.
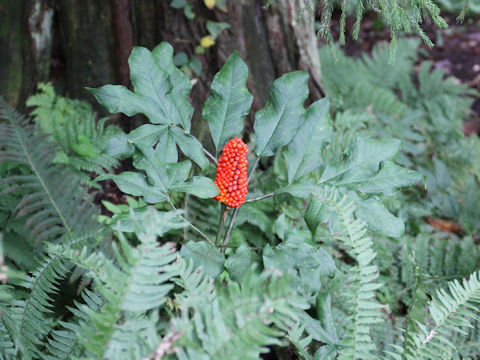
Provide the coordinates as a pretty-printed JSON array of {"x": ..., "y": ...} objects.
[
  {"x": 221, "y": 224},
  {"x": 235, "y": 213}
]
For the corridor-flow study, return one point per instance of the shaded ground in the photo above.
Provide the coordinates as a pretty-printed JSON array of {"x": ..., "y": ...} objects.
[{"x": 456, "y": 51}]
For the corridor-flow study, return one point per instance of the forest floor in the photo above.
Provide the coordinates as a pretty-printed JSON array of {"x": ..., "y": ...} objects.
[{"x": 456, "y": 50}]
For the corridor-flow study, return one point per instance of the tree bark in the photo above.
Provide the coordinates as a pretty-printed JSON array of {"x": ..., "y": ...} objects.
[{"x": 92, "y": 40}]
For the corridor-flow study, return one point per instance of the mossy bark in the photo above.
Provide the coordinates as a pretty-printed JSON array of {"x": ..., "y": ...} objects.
[{"x": 11, "y": 50}]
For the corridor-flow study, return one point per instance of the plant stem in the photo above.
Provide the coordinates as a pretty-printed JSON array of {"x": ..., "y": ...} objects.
[
  {"x": 235, "y": 213},
  {"x": 230, "y": 228},
  {"x": 209, "y": 155},
  {"x": 200, "y": 232},
  {"x": 261, "y": 197},
  {"x": 221, "y": 224}
]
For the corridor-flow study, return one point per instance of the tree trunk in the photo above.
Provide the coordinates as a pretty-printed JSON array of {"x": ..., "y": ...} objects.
[{"x": 87, "y": 43}]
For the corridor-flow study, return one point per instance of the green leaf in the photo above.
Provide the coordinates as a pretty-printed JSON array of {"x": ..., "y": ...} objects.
[
  {"x": 199, "y": 186},
  {"x": 315, "y": 328},
  {"x": 378, "y": 218},
  {"x": 205, "y": 256},
  {"x": 305, "y": 262},
  {"x": 119, "y": 146},
  {"x": 195, "y": 64},
  {"x": 181, "y": 85},
  {"x": 84, "y": 147},
  {"x": 276, "y": 124},
  {"x": 178, "y": 4},
  {"x": 389, "y": 178},
  {"x": 304, "y": 153},
  {"x": 166, "y": 147},
  {"x": 190, "y": 146},
  {"x": 215, "y": 28},
  {"x": 134, "y": 183},
  {"x": 151, "y": 81},
  {"x": 281, "y": 227},
  {"x": 147, "y": 134},
  {"x": 188, "y": 12},
  {"x": 118, "y": 99},
  {"x": 161, "y": 174},
  {"x": 229, "y": 102},
  {"x": 301, "y": 190},
  {"x": 180, "y": 59},
  {"x": 316, "y": 214},
  {"x": 152, "y": 76},
  {"x": 238, "y": 263},
  {"x": 363, "y": 159}
]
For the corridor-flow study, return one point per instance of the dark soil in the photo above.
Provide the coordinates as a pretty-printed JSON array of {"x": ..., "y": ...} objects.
[{"x": 456, "y": 50}]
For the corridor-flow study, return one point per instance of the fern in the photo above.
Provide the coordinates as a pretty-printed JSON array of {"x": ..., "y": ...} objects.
[
  {"x": 138, "y": 284},
  {"x": 63, "y": 343},
  {"x": 451, "y": 311},
  {"x": 53, "y": 204},
  {"x": 31, "y": 314},
  {"x": 238, "y": 322},
  {"x": 357, "y": 343},
  {"x": 7, "y": 332},
  {"x": 83, "y": 143}
]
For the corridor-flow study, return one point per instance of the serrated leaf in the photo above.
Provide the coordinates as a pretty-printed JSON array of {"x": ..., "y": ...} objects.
[
  {"x": 304, "y": 153},
  {"x": 204, "y": 255},
  {"x": 199, "y": 186},
  {"x": 378, "y": 218},
  {"x": 238, "y": 263},
  {"x": 362, "y": 160},
  {"x": 229, "y": 102},
  {"x": 277, "y": 123},
  {"x": 190, "y": 146}
]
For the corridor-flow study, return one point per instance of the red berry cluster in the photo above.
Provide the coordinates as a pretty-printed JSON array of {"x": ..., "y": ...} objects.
[{"x": 232, "y": 179}]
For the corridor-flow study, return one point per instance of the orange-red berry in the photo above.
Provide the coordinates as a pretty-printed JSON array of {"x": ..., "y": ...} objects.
[{"x": 232, "y": 178}]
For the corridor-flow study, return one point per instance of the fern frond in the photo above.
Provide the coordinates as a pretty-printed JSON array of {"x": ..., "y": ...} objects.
[
  {"x": 63, "y": 343},
  {"x": 7, "y": 332},
  {"x": 452, "y": 311},
  {"x": 237, "y": 323},
  {"x": 138, "y": 284},
  {"x": 357, "y": 342},
  {"x": 54, "y": 204},
  {"x": 31, "y": 314},
  {"x": 71, "y": 125}
]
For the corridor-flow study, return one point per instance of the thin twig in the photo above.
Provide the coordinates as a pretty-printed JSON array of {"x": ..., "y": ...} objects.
[
  {"x": 165, "y": 346},
  {"x": 261, "y": 197},
  {"x": 213, "y": 158},
  {"x": 189, "y": 223}
]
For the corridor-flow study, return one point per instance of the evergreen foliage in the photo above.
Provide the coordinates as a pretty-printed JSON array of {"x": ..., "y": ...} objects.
[
  {"x": 81, "y": 141},
  {"x": 277, "y": 280},
  {"x": 50, "y": 213}
]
